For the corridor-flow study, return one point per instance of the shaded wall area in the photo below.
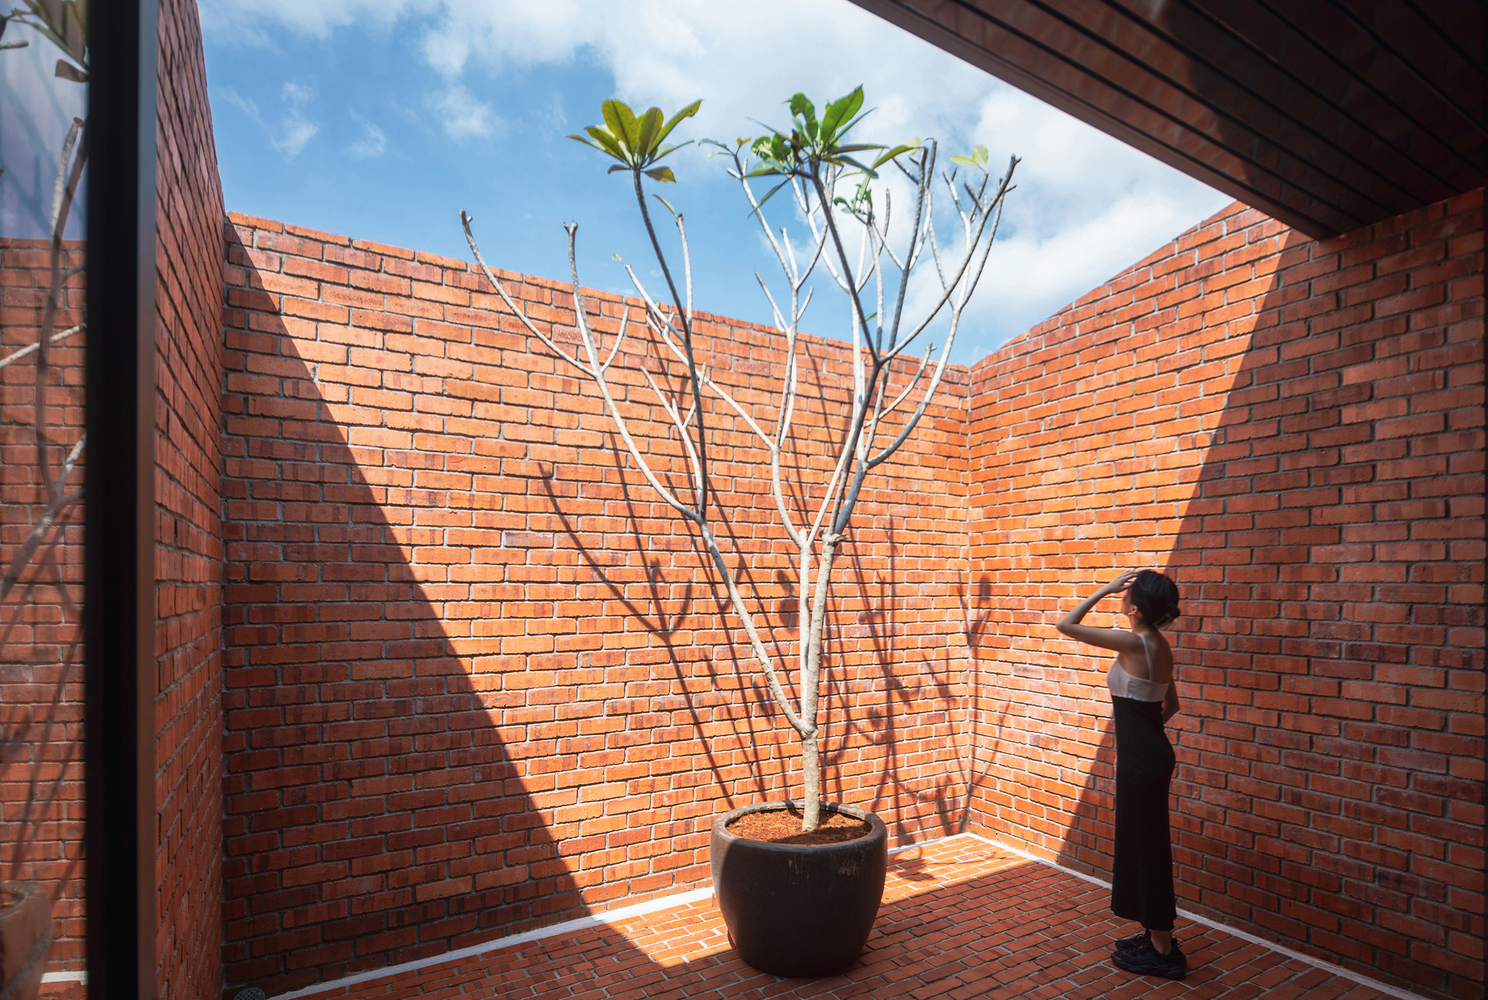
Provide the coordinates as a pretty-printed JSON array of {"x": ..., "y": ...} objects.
[
  {"x": 188, "y": 529},
  {"x": 1294, "y": 430},
  {"x": 478, "y": 677}
]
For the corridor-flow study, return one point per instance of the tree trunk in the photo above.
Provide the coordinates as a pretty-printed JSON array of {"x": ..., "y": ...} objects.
[{"x": 811, "y": 770}]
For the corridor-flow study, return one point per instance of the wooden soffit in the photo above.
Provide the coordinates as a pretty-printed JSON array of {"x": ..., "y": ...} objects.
[{"x": 1326, "y": 114}]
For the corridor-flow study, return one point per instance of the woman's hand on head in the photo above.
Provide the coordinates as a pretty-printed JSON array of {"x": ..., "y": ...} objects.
[{"x": 1121, "y": 582}]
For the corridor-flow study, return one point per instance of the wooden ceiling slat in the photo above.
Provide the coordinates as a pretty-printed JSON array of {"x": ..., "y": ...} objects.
[
  {"x": 1309, "y": 116},
  {"x": 1334, "y": 57},
  {"x": 1061, "y": 62},
  {"x": 1106, "y": 79},
  {"x": 1307, "y": 60},
  {"x": 1460, "y": 24},
  {"x": 1257, "y": 98},
  {"x": 1423, "y": 46},
  {"x": 1400, "y": 84},
  {"x": 1213, "y": 43}
]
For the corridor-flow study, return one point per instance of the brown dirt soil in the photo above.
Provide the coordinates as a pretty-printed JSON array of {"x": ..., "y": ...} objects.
[{"x": 783, "y": 826}]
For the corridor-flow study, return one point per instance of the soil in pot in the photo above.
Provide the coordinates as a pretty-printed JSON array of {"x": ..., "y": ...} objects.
[{"x": 783, "y": 826}]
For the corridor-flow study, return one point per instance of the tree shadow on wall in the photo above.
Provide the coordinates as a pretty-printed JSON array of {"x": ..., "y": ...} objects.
[
  {"x": 879, "y": 612},
  {"x": 373, "y": 813},
  {"x": 731, "y": 711},
  {"x": 662, "y": 616}
]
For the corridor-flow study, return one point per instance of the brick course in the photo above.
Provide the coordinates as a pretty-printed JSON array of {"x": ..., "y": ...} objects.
[{"x": 1294, "y": 430}]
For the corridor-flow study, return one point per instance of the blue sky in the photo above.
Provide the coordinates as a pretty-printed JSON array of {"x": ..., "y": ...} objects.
[{"x": 381, "y": 119}]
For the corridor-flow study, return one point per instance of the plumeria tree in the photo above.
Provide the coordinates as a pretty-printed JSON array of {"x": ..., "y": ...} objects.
[{"x": 837, "y": 185}]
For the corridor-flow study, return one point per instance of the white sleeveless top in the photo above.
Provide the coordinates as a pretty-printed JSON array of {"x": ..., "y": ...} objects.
[{"x": 1124, "y": 685}]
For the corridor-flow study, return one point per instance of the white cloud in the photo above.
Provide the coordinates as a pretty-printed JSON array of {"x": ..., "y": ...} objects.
[
  {"x": 372, "y": 143},
  {"x": 296, "y": 93},
  {"x": 293, "y": 134},
  {"x": 1086, "y": 205},
  {"x": 464, "y": 116},
  {"x": 243, "y": 104},
  {"x": 294, "y": 130}
]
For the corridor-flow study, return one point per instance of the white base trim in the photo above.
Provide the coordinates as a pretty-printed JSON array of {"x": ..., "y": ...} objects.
[
  {"x": 495, "y": 944},
  {"x": 1336, "y": 970},
  {"x": 696, "y": 895},
  {"x": 553, "y": 930}
]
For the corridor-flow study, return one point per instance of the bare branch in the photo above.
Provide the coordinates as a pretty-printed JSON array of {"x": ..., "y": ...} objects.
[
  {"x": 29, "y": 348},
  {"x": 44, "y": 523},
  {"x": 465, "y": 221}
]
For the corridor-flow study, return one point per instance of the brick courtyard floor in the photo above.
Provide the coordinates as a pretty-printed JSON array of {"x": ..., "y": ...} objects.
[{"x": 961, "y": 918}]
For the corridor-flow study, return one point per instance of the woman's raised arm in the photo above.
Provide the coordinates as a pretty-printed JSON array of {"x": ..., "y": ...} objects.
[{"x": 1119, "y": 640}]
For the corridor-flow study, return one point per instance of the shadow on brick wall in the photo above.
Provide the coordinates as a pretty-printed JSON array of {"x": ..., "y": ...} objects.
[
  {"x": 1329, "y": 788},
  {"x": 372, "y": 814},
  {"x": 727, "y": 699}
]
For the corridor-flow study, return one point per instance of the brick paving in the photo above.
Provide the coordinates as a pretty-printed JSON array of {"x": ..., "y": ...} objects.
[{"x": 961, "y": 918}]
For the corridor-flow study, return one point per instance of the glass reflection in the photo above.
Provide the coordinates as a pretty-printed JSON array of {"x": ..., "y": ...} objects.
[{"x": 43, "y": 156}]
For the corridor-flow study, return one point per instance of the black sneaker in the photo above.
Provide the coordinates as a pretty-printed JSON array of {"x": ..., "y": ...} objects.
[
  {"x": 1145, "y": 960},
  {"x": 1138, "y": 940}
]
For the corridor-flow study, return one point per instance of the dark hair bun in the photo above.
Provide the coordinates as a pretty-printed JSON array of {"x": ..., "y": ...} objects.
[{"x": 1156, "y": 596}]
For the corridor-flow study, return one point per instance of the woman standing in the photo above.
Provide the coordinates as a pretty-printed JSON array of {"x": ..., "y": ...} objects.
[{"x": 1143, "y": 698}]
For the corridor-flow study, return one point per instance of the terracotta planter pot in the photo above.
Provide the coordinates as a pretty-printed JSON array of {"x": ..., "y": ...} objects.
[
  {"x": 25, "y": 938},
  {"x": 799, "y": 909}
]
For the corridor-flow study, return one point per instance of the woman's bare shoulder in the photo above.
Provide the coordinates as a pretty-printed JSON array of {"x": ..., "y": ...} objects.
[{"x": 1164, "y": 666}]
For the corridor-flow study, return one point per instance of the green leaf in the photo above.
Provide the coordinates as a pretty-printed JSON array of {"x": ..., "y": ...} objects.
[
  {"x": 802, "y": 108},
  {"x": 649, "y": 127},
  {"x": 889, "y": 154},
  {"x": 767, "y": 197},
  {"x": 618, "y": 166},
  {"x": 686, "y": 112},
  {"x": 840, "y": 111},
  {"x": 668, "y": 204},
  {"x": 603, "y": 141},
  {"x": 662, "y": 174},
  {"x": 978, "y": 158},
  {"x": 622, "y": 124},
  {"x": 63, "y": 22}
]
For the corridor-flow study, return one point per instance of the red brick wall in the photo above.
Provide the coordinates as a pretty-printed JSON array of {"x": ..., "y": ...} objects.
[
  {"x": 188, "y": 532},
  {"x": 471, "y": 658},
  {"x": 1294, "y": 430},
  {"x": 41, "y": 701}
]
